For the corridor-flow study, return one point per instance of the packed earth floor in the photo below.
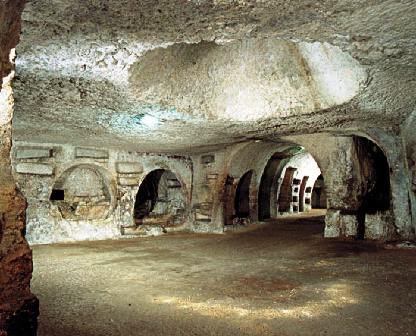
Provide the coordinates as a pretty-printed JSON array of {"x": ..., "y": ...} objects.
[{"x": 278, "y": 278}]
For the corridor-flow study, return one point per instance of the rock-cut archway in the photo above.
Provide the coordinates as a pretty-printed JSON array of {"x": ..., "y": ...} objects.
[
  {"x": 160, "y": 200},
  {"x": 242, "y": 196},
  {"x": 82, "y": 192}
]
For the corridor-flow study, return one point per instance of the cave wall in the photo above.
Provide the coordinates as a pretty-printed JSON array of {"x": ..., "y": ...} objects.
[
  {"x": 18, "y": 307},
  {"x": 100, "y": 187},
  {"x": 209, "y": 182},
  {"x": 409, "y": 137},
  {"x": 341, "y": 166}
]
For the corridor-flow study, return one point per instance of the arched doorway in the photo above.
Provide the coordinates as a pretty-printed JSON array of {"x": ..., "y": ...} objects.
[
  {"x": 375, "y": 174},
  {"x": 242, "y": 196},
  {"x": 267, "y": 196},
  {"x": 319, "y": 194},
  {"x": 285, "y": 194},
  {"x": 82, "y": 192},
  {"x": 160, "y": 200},
  {"x": 228, "y": 200},
  {"x": 304, "y": 201}
]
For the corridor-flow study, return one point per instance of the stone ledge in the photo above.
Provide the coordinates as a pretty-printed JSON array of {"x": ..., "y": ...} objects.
[
  {"x": 35, "y": 169},
  {"x": 91, "y": 153},
  {"x": 33, "y": 153},
  {"x": 128, "y": 181},
  {"x": 129, "y": 168}
]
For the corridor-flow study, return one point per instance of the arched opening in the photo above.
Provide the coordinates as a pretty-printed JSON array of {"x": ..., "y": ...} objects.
[
  {"x": 242, "y": 196},
  {"x": 160, "y": 200},
  {"x": 319, "y": 194},
  {"x": 285, "y": 194},
  {"x": 286, "y": 183},
  {"x": 267, "y": 196},
  {"x": 228, "y": 200},
  {"x": 82, "y": 192},
  {"x": 375, "y": 174},
  {"x": 304, "y": 205}
]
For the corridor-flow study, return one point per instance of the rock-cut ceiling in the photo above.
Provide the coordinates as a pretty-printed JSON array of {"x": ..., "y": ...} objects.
[{"x": 169, "y": 76}]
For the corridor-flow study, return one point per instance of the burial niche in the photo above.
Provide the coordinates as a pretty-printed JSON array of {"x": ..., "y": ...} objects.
[
  {"x": 160, "y": 200},
  {"x": 82, "y": 193}
]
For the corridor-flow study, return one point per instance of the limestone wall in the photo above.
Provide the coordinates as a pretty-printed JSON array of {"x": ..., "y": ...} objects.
[
  {"x": 18, "y": 307},
  {"x": 99, "y": 188}
]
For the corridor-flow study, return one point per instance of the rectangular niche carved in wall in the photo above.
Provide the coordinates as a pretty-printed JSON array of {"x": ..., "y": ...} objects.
[
  {"x": 57, "y": 195},
  {"x": 206, "y": 159}
]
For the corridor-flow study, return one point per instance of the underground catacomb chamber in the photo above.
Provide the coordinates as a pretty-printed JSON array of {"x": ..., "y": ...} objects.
[
  {"x": 189, "y": 119},
  {"x": 160, "y": 200}
]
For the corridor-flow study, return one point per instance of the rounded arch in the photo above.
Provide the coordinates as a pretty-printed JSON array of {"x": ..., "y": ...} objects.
[
  {"x": 242, "y": 158},
  {"x": 268, "y": 187},
  {"x": 286, "y": 182},
  {"x": 318, "y": 195},
  {"x": 161, "y": 199},
  {"x": 83, "y": 191},
  {"x": 242, "y": 196},
  {"x": 375, "y": 175}
]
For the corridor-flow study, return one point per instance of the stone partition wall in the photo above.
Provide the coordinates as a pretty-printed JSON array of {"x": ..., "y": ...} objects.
[
  {"x": 18, "y": 307},
  {"x": 409, "y": 136},
  {"x": 346, "y": 173},
  {"x": 78, "y": 193}
]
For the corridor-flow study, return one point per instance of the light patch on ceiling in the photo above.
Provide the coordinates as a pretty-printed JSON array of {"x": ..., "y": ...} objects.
[{"x": 149, "y": 121}]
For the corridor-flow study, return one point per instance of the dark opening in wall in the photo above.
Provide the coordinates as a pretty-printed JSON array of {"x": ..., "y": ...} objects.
[
  {"x": 160, "y": 200},
  {"x": 296, "y": 181},
  {"x": 319, "y": 194},
  {"x": 228, "y": 200},
  {"x": 57, "y": 195},
  {"x": 375, "y": 172},
  {"x": 207, "y": 159},
  {"x": 302, "y": 191},
  {"x": 242, "y": 196}
]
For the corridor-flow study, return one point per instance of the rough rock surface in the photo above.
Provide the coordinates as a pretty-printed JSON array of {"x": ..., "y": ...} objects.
[
  {"x": 77, "y": 69},
  {"x": 18, "y": 307}
]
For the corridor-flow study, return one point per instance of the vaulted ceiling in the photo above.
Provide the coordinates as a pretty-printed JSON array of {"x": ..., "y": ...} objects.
[{"x": 182, "y": 76}]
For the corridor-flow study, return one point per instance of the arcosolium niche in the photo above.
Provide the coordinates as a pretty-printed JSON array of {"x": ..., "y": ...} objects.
[
  {"x": 160, "y": 200},
  {"x": 82, "y": 192}
]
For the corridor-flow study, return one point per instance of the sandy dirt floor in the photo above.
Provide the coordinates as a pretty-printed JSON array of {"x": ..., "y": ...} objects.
[{"x": 280, "y": 278}]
